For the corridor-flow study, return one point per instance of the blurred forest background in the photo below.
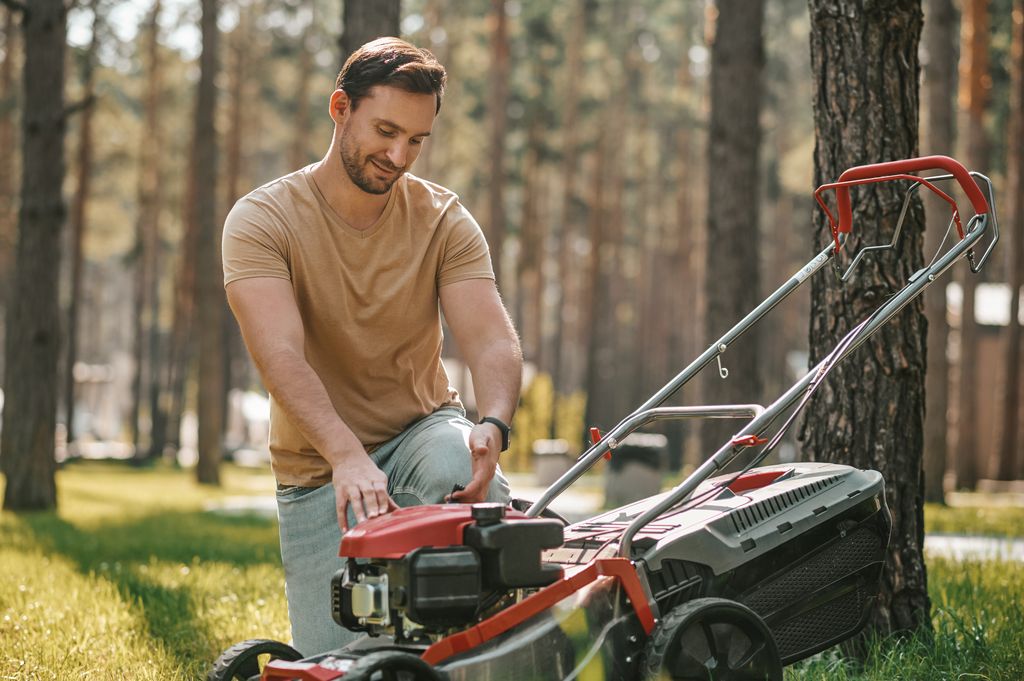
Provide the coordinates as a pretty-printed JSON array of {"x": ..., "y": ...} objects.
[{"x": 578, "y": 134}]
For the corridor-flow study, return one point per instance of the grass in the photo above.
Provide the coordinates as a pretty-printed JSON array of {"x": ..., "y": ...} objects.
[
  {"x": 131, "y": 579},
  {"x": 995, "y": 521}
]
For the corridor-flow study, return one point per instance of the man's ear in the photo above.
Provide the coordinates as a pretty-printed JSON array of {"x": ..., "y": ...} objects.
[{"x": 341, "y": 105}]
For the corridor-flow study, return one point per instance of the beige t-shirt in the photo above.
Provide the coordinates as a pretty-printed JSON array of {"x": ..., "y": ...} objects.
[{"x": 368, "y": 301}]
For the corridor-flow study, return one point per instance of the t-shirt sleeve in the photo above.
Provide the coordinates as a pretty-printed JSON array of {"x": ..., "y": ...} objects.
[
  {"x": 253, "y": 245},
  {"x": 465, "y": 254}
]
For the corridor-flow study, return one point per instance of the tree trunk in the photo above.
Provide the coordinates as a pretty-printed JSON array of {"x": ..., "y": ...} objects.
[
  {"x": 33, "y": 331},
  {"x": 1006, "y": 468},
  {"x": 605, "y": 206},
  {"x": 974, "y": 88},
  {"x": 8, "y": 105},
  {"x": 364, "y": 21},
  {"x": 495, "y": 228},
  {"x": 209, "y": 279},
  {"x": 298, "y": 154},
  {"x": 83, "y": 181},
  {"x": 566, "y": 312},
  {"x": 870, "y": 411},
  {"x": 940, "y": 36},
  {"x": 737, "y": 64},
  {"x": 147, "y": 238},
  {"x": 530, "y": 282}
]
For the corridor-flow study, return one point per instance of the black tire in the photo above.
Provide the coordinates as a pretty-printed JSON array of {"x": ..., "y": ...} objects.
[
  {"x": 392, "y": 665},
  {"x": 241, "y": 662},
  {"x": 712, "y": 639}
]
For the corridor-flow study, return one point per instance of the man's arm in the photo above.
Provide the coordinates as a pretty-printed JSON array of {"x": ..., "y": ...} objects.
[
  {"x": 272, "y": 328},
  {"x": 489, "y": 343}
]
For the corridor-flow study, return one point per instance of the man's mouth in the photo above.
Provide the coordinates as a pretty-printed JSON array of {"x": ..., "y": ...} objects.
[{"x": 384, "y": 169}]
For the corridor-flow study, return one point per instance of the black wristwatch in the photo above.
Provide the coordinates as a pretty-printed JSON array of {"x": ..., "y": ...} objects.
[{"x": 502, "y": 426}]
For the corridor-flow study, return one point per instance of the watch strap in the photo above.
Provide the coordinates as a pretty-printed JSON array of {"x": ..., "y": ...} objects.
[{"x": 502, "y": 426}]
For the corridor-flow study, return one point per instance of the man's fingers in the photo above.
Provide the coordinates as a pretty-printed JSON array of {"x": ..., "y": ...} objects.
[
  {"x": 342, "y": 508},
  {"x": 384, "y": 502},
  {"x": 355, "y": 496}
]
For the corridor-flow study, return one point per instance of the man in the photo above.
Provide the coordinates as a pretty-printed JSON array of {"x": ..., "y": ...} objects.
[{"x": 335, "y": 274}]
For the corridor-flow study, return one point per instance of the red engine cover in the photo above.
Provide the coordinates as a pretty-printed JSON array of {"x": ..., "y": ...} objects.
[{"x": 396, "y": 534}]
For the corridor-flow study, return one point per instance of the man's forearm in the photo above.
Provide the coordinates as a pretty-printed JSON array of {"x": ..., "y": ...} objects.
[
  {"x": 301, "y": 394},
  {"x": 497, "y": 370}
]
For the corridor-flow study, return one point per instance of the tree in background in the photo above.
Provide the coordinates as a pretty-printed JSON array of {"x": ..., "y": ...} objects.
[
  {"x": 148, "y": 196},
  {"x": 498, "y": 114},
  {"x": 83, "y": 182},
  {"x": 870, "y": 411},
  {"x": 8, "y": 109},
  {"x": 974, "y": 94},
  {"x": 363, "y": 21},
  {"x": 1007, "y": 465},
  {"x": 209, "y": 273},
  {"x": 33, "y": 330},
  {"x": 733, "y": 254},
  {"x": 941, "y": 28}
]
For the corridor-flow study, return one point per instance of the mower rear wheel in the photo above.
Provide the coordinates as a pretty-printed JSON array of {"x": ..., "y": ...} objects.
[
  {"x": 712, "y": 639},
  {"x": 245, "y": 661},
  {"x": 392, "y": 665}
]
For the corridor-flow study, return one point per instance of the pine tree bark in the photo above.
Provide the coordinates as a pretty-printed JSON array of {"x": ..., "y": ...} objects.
[
  {"x": 941, "y": 28},
  {"x": 495, "y": 227},
  {"x": 870, "y": 411},
  {"x": 147, "y": 238},
  {"x": 566, "y": 321},
  {"x": 974, "y": 91},
  {"x": 298, "y": 154},
  {"x": 363, "y": 21},
  {"x": 83, "y": 182},
  {"x": 1007, "y": 466},
  {"x": 8, "y": 106},
  {"x": 209, "y": 279},
  {"x": 32, "y": 344},
  {"x": 731, "y": 285}
]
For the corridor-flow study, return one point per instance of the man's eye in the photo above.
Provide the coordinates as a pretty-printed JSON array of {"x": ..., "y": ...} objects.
[
  {"x": 386, "y": 133},
  {"x": 415, "y": 141}
]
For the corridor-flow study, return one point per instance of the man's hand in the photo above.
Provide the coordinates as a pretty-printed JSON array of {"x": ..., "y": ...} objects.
[
  {"x": 358, "y": 481},
  {"x": 484, "y": 449}
]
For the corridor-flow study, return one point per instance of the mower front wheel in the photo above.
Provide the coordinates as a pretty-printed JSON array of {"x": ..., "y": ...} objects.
[
  {"x": 712, "y": 639},
  {"x": 245, "y": 661},
  {"x": 392, "y": 665}
]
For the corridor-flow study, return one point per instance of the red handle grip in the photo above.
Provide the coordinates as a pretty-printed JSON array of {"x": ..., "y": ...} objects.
[{"x": 910, "y": 165}]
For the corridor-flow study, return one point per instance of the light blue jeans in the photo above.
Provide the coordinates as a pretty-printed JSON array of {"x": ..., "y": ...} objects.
[{"x": 422, "y": 464}]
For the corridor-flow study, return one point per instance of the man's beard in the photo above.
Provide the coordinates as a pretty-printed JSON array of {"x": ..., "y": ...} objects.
[{"x": 360, "y": 169}]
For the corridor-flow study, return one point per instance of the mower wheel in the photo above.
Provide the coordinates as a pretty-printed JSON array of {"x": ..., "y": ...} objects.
[
  {"x": 392, "y": 665},
  {"x": 241, "y": 662},
  {"x": 712, "y": 639}
]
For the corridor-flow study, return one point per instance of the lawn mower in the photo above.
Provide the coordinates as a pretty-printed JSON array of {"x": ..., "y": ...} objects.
[{"x": 727, "y": 576}]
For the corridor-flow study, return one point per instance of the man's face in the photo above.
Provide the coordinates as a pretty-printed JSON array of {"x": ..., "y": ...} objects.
[{"x": 383, "y": 135}]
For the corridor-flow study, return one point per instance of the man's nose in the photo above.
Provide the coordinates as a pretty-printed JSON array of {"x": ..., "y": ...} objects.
[{"x": 398, "y": 153}]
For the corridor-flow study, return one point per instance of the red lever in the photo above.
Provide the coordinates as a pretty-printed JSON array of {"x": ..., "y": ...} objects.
[
  {"x": 595, "y": 437},
  {"x": 748, "y": 441}
]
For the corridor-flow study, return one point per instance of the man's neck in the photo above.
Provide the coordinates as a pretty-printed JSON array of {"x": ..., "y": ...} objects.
[{"x": 356, "y": 207}]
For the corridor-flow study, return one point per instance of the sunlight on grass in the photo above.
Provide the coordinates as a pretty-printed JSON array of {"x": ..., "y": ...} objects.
[
  {"x": 995, "y": 521},
  {"x": 132, "y": 579}
]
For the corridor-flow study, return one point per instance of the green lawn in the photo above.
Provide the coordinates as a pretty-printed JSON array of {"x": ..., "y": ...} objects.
[{"x": 131, "y": 579}]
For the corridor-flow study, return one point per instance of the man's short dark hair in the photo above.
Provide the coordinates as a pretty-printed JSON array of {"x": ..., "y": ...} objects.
[{"x": 394, "y": 62}]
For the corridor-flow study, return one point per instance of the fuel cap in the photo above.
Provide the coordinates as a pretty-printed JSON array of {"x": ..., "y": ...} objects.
[{"x": 488, "y": 513}]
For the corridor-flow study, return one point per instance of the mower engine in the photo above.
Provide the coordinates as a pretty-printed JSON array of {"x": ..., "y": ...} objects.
[{"x": 418, "y": 573}]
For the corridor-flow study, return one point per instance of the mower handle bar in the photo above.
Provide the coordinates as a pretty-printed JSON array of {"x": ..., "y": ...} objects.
[{"x": 881, "y": 170}]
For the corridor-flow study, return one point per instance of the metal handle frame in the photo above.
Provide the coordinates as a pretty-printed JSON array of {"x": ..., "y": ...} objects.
[{"x": 763, "y": 417}]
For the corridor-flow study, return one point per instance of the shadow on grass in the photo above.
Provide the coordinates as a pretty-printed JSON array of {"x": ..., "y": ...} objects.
[{"x": 120, "y": 551}]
